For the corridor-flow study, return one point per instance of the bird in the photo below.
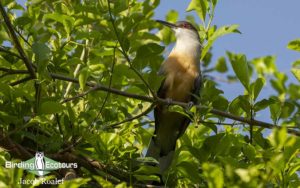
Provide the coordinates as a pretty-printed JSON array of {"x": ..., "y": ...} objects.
[{"x": 182, "y": 82}]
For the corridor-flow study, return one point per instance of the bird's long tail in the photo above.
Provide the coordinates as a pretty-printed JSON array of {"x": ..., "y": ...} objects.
[{"x": 154, "y": 151}]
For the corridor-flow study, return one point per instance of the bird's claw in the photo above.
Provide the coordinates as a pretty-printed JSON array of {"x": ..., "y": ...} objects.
[
  {"x": 169, "y": 101},
  {"x": 190, "y": 105}
]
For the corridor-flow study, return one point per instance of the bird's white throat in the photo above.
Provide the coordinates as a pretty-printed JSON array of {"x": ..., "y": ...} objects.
[{"x": 187, "y": 43}]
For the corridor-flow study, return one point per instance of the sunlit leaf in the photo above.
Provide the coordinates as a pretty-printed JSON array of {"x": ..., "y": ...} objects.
[
  {"x": 256, "y": 87},
  {"x": 240, "y": 66},
  {"x": 296, "y": 73},
  {"x": 83, "y": 76},
  {"x": 221, "y": 65},
  {"x": 224, "y": 30},
  {"x": 213, "y": 175},
  {"x": 294, "y": 45},
  {"x": 200, "y": 7},
  {"x": 51, "y": 107},
  {"x": 172, "y": 16}
]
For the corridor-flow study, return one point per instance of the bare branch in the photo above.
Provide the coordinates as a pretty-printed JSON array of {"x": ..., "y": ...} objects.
[
  {"x": 79, "y": 95},
  {"x": 17, "y": 42},
  {"x": 21, "y": 81},
  {"x": 12, "y": 71}
]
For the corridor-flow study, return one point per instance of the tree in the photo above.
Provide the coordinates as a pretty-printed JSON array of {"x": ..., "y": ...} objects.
[{"x": 78, "y": 81}]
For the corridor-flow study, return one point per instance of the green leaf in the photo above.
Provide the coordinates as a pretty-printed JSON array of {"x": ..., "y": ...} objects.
[
  {"x": 200, "y": 7},
  {"x": 265, "y": 65},
  {"x": 243, "y": 174},
  {"x": 172, "y": 16},
  {"x": 83, "y": 76},
  {"x": 51, "y": 107},
  {"x": 178, "y": 109},
  {"x": 249, "y": 151},
  {"x": 279, "y": 83},
  {"x": 224, "y": 30},
  {"x": 278, "y": 137},
  {"x": 275, "y": 110},
  {"x": 214, "y": 2},
  {"x": 256, "y": 87},
  {"x": 296, "y": 64},
  {"x": 187, "y": 169},
  {"x": 147, "y": 170},
  {"x": 264, "y": 103},
  {"x": 147, "y": 177},
  {"x": 42, "y": 54},
  {"x": 240, "y": 67},
  {"x": 65, "y": 20},
  {"x": 294, "y": 45},
  {"x": 287, "y": 109},
  {"x": 214, "y": 175},
  {"x": 241, "y": 102},
  {"x": 296, "y": 73},
  {"x": 221, "y": 65},
  {"x": 149, "y": 49}
]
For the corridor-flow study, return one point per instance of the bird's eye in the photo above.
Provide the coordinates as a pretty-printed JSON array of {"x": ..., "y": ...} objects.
[{"x": 185, "y": 25}]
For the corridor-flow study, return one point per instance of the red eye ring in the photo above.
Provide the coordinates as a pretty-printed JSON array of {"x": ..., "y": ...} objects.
[{"x": 185, "y": 25}]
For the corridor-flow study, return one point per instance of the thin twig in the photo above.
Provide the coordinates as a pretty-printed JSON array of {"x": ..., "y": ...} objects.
[
  {"x": 125, "y": 54},
  {"x": 110, "y": 81},
  {"x": 11, "y": 72},
  {"x": 115, "y": 125},
  {"x": 218, "y": 123},
  {"x": 79, "y": 95},
  {"x": 22, "y": 37},
  {"x": 109, "y": 85},
  {"x": 17, "y": 42}
]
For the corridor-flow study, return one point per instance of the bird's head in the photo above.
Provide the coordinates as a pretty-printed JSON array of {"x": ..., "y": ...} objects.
[{"x": 182, "y": 29}]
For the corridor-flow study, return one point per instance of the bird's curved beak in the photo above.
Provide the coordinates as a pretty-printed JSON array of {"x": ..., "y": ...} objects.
[{"x": 168, "y": 24}]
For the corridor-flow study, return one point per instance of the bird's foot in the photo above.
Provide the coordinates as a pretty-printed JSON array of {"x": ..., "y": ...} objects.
[
  {"x": 169, "y": 101},
  {"x": 190, "y": 105}
]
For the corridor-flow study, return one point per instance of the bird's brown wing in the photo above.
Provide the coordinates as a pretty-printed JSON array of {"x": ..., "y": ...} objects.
[
  {"x": 161, "y": 93},
  {"x": 195, "y": 99}
]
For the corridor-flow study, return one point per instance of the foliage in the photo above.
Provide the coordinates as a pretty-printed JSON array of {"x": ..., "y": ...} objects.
[{"x": 115, "y": 44}]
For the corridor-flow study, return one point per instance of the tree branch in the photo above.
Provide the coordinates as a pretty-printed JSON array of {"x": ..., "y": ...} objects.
[
  {"x": 11, "y": 71},
  {"x": 21, "y": 81},
  {"x": 17, "y": 42},
  {"x": 167, "y": 102}
]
